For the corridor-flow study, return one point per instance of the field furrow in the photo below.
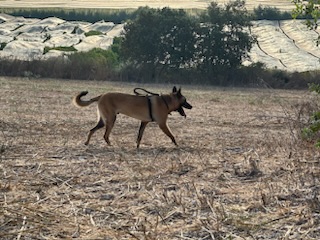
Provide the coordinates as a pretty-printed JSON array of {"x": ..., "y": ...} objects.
[{"x": 283, "y": 43}]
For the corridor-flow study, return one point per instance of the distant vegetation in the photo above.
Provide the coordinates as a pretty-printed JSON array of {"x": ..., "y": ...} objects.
[
  {"x": 205, "y": 47},
  {"x": 89, "y": 15},
  {"x": 3, "y": 45},
  {"x": 64, "y": 49},
  {"x": 123, "y": 15},
  {"x": 269, "y": 13},
  {"x": 92, "y": 33}
]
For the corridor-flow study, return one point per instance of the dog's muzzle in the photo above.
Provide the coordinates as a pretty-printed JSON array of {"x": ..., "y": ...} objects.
[{"x": 186, "y": 105}]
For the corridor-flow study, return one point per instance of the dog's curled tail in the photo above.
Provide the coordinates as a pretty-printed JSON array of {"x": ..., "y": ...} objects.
[{"x": 81, "y": 103}]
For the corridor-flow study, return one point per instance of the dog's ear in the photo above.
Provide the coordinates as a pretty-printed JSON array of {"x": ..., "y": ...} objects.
[
  {"x": 174, "y": 89},
  {"x": 179, "y": 92}
]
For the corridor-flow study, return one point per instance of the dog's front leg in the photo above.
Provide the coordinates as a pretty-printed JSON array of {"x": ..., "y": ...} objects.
[
  {"x": 164, "y": 127},
  {"x": 141, "y": 130}
]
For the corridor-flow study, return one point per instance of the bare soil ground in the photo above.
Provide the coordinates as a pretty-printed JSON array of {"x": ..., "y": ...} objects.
[{"x": 240, "y": 172}]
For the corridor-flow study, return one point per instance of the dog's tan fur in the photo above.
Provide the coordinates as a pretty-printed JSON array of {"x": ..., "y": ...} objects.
[{"x": 110, "y": 104}]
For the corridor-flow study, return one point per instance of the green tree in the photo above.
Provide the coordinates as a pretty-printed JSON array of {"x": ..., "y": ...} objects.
[
  {"x": 309, "y": 10},
  {"x": 223, "y": 40},
  {"x": 159, "y": 39},
  {"x": 312, "y": 131},
  {"x": 270, "y": 13}
]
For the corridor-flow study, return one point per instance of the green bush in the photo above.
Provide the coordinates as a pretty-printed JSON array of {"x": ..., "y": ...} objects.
[
  {"x": 93, "y": 33},
  {"x": 314, "y": 128},
  {"x": 2, "y": 45},
  {"x": 270, "y": 13},
  {"x": 96, "y": 64},
  {"x": 63, "y": 49}
]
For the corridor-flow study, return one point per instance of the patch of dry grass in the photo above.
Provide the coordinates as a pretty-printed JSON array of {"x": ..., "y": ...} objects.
[{"x": 240, "y": 172}]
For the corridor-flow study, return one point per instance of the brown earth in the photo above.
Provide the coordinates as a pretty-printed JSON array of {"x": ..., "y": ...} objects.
[{"x": 240, "y": 171}]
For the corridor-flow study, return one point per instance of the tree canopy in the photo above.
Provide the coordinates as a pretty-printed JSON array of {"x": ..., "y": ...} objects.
[
  {"x": 159, "y": 38},
  {"x": 308, "y": 9},
  {"x": 223, "y": 39},
  {"x": 163, "y": 39}
]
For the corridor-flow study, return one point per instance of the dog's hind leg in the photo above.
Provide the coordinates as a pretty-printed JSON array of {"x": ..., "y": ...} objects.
[
  {"x": 109, "y": 126},
  {"x": 100, "y": 124},
  {"x": 164, "y": 127},
  {"x": 141, "y": 130}
]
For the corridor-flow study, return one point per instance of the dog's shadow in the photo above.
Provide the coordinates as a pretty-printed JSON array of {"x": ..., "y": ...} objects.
[{"x": 119, "y": 151}]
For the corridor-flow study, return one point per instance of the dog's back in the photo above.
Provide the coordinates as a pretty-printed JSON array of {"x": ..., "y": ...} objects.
[{"x": 127, "y": 104}]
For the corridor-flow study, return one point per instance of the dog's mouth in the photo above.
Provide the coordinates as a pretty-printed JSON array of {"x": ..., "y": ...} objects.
[{"x": 185, "y": 105}]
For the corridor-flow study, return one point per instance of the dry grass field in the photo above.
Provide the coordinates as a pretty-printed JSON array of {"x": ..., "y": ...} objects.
[
  {"x": 283, "y": 5},
  {"x": 239, "y": 172}
]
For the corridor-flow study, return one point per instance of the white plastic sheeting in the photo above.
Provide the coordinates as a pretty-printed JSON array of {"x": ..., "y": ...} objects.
[
  {"x": 287, "y": 45},
  {"x": 26, "y": 39}
]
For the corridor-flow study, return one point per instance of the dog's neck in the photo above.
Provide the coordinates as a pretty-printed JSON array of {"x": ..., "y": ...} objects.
[
  {"x": 168, "y": 102},
  {"x": 165, "y": 101}
]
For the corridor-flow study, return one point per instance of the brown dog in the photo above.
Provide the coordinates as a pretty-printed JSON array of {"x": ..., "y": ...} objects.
[{"x": 154, "y": 108}]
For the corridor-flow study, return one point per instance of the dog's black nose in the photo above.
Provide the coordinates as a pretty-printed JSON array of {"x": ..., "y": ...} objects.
[{"x": 186, "y": 105}]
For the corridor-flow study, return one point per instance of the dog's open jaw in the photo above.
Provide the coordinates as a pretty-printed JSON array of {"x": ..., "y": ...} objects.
[{"x": 184, "y": 104}]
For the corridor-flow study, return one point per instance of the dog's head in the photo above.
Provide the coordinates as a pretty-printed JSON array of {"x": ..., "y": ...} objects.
[{"x": 182, "y": 101}]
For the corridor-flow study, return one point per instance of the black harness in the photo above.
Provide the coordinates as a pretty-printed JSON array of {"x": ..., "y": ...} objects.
[
  {"x": 150, "y": 108},
  {"x": 148, "y": 95}
]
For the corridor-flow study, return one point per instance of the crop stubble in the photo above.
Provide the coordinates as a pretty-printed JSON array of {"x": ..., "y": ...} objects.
[{"x": 239, "y": 170}]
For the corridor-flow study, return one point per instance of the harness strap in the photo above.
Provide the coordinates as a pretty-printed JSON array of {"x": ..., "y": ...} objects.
[
  {"x": 150, "y": 109},
  {"x": 149, "y": 94}
]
